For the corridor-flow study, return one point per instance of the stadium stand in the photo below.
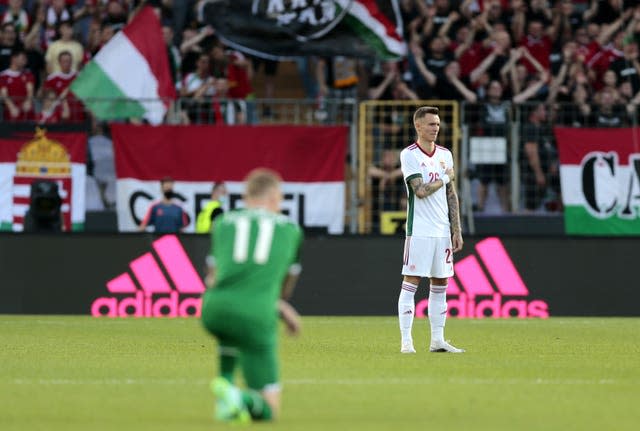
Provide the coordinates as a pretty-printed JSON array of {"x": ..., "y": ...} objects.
[{"x": 579, "y": 59}]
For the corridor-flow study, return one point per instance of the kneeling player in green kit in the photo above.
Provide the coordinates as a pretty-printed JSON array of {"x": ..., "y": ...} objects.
[{"x": 253, "y": 266}]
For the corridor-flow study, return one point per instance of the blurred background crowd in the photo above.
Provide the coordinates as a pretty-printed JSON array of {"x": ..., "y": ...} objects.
[
  {"x": 581, "y": 52},
  {"x": 572, "y": 63}
]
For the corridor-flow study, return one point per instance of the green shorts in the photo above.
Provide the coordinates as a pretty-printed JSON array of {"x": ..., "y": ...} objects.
[{"x": 253, "y": 339}]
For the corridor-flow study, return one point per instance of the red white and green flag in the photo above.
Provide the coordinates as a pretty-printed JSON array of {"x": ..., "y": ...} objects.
[
  {"x": 281, "y": 29},
  {"x": 130, "y": 76},
  {"x": 600, "y": 180}
]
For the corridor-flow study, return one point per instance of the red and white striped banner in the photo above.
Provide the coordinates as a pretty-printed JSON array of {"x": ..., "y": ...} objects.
[{"x": 310, "y": 160}]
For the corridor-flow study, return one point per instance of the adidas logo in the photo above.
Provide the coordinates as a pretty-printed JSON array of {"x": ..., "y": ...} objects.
[
  {"x": 155, "y": 297},
  {"x": 475, "y": 297}
]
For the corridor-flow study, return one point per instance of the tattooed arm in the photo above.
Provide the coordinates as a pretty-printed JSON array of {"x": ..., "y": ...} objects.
[
  {"x": 422, "y": 189},
  {"x": 454, "y": 217}
]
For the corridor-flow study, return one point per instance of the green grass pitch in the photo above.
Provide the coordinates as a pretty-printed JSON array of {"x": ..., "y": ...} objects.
[{"x": 81, "y": 373}]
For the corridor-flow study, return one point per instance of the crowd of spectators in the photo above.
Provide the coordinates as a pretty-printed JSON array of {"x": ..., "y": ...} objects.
[
  {"x": 578, "y": 58},
  {"x": 583, "y": 53},
  {"x": 535, "y": 63},
  {"x": 44, "y": 43}
]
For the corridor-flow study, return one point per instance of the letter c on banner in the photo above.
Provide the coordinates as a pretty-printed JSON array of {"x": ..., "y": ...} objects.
[
  {"x": 590, "y": 179},
  {"x": 132, "y": 204}
]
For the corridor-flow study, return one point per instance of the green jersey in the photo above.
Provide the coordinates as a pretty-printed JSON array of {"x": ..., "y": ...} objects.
[{"x": 253, "y": 250}]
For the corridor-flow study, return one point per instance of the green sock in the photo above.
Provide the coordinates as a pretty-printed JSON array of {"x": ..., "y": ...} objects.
[
  {"x": 227, "y": 364},
  {"x": 259, "y": 409}
]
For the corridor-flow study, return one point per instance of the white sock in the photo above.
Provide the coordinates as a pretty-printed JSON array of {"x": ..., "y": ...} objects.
[
  {"x": 406, "y": 309},
  {"x": 437, "y": 311}
]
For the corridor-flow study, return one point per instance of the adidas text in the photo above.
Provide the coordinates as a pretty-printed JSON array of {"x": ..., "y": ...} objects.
[
  {"x": 464, "y": 306},
  {"x": 144, "y": 305},
  {"x": 471, "y": 293},
  {"x": 154, "y": 295}
]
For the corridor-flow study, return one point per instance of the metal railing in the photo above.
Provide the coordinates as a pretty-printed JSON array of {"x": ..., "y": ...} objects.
[{"x": 207, "y": 110}]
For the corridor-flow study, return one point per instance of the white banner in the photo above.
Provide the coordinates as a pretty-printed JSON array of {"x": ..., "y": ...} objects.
[{"x": 312, "y": 205}]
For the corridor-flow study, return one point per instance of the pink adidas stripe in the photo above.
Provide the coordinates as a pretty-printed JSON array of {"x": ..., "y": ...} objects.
[
  {"x": 121, "y": 284},
  {"x": 472, "y": 277},
  {"x": 149, "y": 274},
  {"x": 501, "y": 268},
  {"x": 452, "y": 288},
  {"x": 178, "y": 265}
]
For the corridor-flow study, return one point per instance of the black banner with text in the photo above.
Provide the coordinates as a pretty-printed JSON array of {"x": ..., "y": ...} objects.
[{"x": 161, "y": 276}]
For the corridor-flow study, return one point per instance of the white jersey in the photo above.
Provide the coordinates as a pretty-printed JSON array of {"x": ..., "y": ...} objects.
[{"x": 426, "y": 217}]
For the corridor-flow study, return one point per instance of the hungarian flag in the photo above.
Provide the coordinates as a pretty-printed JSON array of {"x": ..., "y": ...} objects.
[
  {"x": 279, "y": 29},
  {"x": 600, "y": 180},
  {"x": 130, "y": 76}
]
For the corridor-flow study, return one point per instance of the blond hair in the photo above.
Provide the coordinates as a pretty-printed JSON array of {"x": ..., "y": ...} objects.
[{"x": 260, "y": 182}]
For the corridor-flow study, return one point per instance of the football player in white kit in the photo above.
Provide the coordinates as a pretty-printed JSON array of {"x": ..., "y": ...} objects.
[{"x": 433, "y": 229}]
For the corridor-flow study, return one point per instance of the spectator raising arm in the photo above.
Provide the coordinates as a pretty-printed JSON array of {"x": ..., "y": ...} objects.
[
  {"x": 418, "y": 56},
  {"x": 484, "y": 66},
  {"x": 446, "y": 27},
  {"x": 591, "y": 12},
  {"x": 404, "y": 92},
  {"x": 453, "y": 75},
  {"x": 532, "y": 89},
  {"x": 507, "y": 72},
  {"x": 427, "y": 27},
  {"x": 377, "y": 92},
  {"x": 558, "y": 81},
  {"x": 189, "y": 43},
  {"x": 607, "y": 31},
  {"x": 464, "y": 46},
  {"x": 519, "y": 20}
]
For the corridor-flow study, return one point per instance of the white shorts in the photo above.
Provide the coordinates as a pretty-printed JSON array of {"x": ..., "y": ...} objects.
[{"x": 428, "y": 257}]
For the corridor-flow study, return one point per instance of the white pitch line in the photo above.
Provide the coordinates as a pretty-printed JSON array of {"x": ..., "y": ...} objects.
[
  {"x": 453, "y": 380},
  {"x": 122, "y": 381},
  {"x": 25, "y": 322},
  {"x": 313, "y": 381},
  {"x": 82, "y": 322}
]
